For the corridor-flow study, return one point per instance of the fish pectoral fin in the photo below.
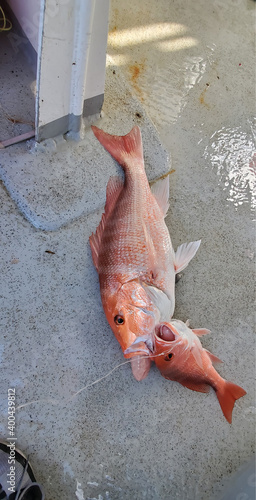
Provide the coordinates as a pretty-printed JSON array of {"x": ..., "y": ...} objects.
[
  {"x": 213, "y": 358},
  {"x": 193, "y": 386},
  {"x": 160, "y": 300},
  {"x": 201, "y": 331},
  {"x": 140, "y": 367},
  {"x": 160, "y": 190},
  {"x": 197, "y": 354},
  {"x": 184, "y": 254}
]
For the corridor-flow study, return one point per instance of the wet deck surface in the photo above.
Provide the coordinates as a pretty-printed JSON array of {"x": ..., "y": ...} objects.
[{"x": 191, "y": 69}]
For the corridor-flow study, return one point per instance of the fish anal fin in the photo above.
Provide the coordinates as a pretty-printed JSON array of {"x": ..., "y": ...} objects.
[
  {"x": 201, "y": 331},
  {"x": 95, "y": 241},
  {"x": 160, "y": 190},
  {"x": 122, "y": 148},
  {"x": 213, "y": 358},
  {"x": 114, "y": 188},
  {"x": 194, "y": 386},
  {"x": 227, "y": 395},
  {"x": 184, "y": 254}
]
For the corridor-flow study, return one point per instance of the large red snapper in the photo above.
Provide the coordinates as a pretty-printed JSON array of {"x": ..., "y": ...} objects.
[{"x": 132, "y": 250}]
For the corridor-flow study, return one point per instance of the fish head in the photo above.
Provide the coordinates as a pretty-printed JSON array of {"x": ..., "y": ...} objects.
[
  {"x": 170, "y": 347},
  {"x": 175, "y": 341},
  {"x": 131, "y": 315},
  {"x": 166, "y": 338},
  {"x": 174, "y": 337}
]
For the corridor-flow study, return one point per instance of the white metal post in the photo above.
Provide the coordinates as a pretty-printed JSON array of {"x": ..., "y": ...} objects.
[{"x": 71, "y": 64}]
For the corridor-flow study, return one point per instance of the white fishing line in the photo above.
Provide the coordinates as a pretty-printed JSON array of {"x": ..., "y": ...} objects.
[{"x": 57, "y": 402}]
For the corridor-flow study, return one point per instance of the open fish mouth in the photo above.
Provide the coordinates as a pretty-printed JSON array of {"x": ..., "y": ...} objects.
[
  {"x": 165, "y": 333},
  {"x": 145, "y": 344}
]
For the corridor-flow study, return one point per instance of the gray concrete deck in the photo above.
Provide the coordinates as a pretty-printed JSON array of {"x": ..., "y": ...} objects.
[{"x": 190, "y": 69}]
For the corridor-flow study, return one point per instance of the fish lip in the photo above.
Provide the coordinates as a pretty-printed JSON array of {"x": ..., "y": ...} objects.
[
  {"x": 139, "y": 351},
  {"x": 133, "y": 349}
]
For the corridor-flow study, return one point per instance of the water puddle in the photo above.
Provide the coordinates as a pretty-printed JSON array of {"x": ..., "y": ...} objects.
[
  {"x": 162, "y": 62},
  {"x": 165, "y": 90},
  {"x": 232, "y": 154}
]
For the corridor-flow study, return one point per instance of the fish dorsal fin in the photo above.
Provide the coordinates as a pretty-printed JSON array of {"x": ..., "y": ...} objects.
[
  {"x": 201, "y": 331},
  {"x": 184, "y": 254},
  {"x": 160, "y": 190},
  {"x": 114, "y": 189},
  {"x": 193, "y": 386},
  {"x": 123, "y": 148},
  {"x": 213, "y": 358}
]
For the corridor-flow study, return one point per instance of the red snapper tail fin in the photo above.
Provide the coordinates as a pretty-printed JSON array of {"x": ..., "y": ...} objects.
[
  {"x": 124, "y": 149},
  {"x": 227, "y": 394}
]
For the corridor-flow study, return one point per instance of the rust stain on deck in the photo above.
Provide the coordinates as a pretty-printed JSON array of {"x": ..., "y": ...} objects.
[
  {"x": 136, "y": 71},
  {"x": 202, "y": 96}
]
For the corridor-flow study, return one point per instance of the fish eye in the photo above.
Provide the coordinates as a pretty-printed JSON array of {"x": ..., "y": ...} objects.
[
  {"x": 119, "y": 320},
  {"x": 170, "y": 355}
]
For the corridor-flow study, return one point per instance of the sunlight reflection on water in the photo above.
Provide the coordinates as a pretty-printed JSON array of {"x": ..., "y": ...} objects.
[{"x": 232, "y": 154}]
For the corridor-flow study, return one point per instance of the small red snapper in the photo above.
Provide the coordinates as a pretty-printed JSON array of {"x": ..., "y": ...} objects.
[
  {"x": 183, "y": 359},
  {"x": 132, "y": 250}
]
